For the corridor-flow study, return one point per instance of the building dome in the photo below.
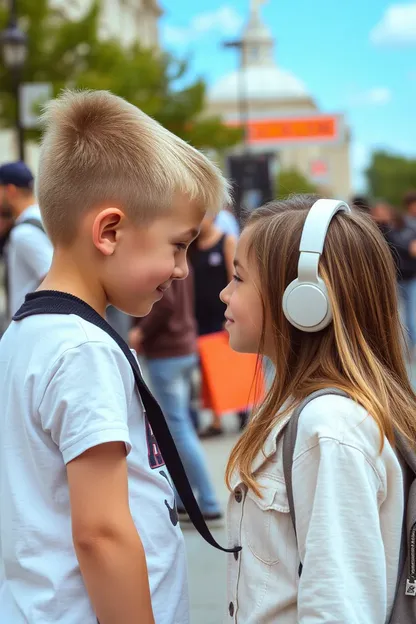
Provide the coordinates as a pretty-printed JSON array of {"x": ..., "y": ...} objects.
[{"x": 266, "y": 82}]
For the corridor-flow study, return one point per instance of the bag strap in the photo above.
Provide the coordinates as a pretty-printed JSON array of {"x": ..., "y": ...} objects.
[
  {"x": 35, "y": 222},
  {"x": 52, "y": 302},
  {"x": 289, "y": 442}
]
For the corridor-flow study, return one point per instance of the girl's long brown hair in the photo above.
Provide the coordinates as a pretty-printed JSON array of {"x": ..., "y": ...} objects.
[{"x": 361, "y": 352}]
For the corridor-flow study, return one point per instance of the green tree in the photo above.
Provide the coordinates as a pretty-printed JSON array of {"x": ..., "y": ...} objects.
[
  {"x": 291, "y": 181},
  {"x": 390, "y": 176},
  {"x": 69, "y": 53}
]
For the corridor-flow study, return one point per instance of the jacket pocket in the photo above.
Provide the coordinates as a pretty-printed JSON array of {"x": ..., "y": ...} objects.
[{"x": 267, "y": 521}]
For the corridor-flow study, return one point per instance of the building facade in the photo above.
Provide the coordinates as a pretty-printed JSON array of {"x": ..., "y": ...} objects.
[{"x": 280, "y": 115}]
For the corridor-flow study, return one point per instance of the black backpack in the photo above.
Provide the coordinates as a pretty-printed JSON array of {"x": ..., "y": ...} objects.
[{"x": 404, "y": 607}]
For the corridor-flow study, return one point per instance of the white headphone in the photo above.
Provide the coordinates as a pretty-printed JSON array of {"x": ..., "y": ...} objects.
[{"x": 305, "y": 301}]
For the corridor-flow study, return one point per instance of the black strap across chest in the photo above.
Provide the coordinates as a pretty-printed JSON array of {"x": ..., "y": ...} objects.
[{"x": 52, "y": 302}]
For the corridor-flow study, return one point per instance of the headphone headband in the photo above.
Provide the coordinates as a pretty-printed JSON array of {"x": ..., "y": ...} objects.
[{"x": 317, "y": 222}]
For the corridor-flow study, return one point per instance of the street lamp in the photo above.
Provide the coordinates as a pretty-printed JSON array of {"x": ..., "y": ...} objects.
[
  {"x": 242, "y": 90},
  {"x": 14, "y": 47}
]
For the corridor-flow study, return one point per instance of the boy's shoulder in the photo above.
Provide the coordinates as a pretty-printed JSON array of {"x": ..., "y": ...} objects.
[{"x": 45, "y": 340}]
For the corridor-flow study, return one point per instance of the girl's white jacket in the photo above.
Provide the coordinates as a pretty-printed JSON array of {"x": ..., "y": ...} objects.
[{"x": 349, "y": 510}]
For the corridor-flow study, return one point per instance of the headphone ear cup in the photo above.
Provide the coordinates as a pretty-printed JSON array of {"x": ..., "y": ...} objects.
[{"x": 306, "y": 305}]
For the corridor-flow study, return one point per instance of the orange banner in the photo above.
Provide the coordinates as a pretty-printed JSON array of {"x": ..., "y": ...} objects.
[{"x": 322, "y": 128}]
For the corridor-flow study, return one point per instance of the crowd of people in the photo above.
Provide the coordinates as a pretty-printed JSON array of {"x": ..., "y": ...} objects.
[
  {"x": 96, "y": 480},
  {"x": 398, "y": 225}
]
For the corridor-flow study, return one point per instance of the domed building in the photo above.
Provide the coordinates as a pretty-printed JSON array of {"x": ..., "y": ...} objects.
[{"x": 280, "y": 116}]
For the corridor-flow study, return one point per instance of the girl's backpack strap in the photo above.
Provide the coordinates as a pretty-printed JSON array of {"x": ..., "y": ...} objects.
[{"x": 289, "y": 442}]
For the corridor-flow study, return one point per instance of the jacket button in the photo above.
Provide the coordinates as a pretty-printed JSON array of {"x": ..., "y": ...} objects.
[
  {"x": 231, "y": 609},
  {"x": 238, "y": 495}
]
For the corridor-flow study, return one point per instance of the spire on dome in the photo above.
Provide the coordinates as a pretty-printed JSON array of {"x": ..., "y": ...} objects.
[{"x": 258, "y": 42}]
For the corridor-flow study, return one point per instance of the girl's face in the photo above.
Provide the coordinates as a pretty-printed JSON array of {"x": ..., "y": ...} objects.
[{"x": 244, "y": 311}]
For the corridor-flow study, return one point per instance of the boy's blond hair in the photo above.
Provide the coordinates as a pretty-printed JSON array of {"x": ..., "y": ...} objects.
[{"x": 99, "y": 149}]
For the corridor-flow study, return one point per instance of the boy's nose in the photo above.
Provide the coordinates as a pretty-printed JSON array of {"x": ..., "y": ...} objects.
[{"x": 181, "y": 271}]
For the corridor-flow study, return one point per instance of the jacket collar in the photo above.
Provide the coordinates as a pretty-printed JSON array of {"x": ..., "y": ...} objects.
[{"x": 269, "y": 449}]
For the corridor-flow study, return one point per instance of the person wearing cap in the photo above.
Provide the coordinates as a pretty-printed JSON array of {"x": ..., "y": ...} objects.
[{"x": 29, "y": 251}]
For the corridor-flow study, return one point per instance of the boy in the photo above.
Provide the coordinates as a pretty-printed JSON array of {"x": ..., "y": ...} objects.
[
  {"x": 87, "y": 529},
  {"x": 29, "y": 251}
]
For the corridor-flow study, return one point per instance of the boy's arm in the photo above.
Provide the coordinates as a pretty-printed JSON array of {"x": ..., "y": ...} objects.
[
  {"x": 108, "y": 547},
  {"x": 84, "y": 406}
]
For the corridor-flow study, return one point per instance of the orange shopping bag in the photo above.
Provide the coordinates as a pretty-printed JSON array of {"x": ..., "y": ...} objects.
[{"x": 229, "y": 380}]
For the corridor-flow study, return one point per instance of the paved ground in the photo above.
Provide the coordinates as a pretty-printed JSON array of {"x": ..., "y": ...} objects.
[{"x": 207, "y": 566}]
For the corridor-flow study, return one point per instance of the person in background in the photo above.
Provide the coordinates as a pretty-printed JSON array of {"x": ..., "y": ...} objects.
[
  {"x": 167, "y": 338},
  {"x": 409, "y": 203},
  {"x": 400, "y": 233},
  {"x": 6, "y": 224},
  {"x": 212, "y": 256},
  {"x": 29, "y": 250},
  {"x": 362, "y": 202},
  {"x": 227, "y": 223}
]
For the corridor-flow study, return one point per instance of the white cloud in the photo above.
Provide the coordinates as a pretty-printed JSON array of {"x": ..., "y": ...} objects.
[
  {"x": 397, "y": 26},
  {"x": 224, "y": 22},
  {"x": 377, "y": 96}
]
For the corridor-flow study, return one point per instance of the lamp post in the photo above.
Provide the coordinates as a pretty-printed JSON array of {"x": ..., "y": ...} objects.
[
  {"x": 14, "y": 47},
  {"x": 242, "y": 91}
]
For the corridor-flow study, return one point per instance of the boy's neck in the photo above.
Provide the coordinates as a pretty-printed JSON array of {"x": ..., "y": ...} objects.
[{"x": 65, "y": 275}]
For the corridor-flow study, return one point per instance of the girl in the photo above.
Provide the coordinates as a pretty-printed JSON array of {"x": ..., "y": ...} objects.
[{"x": 347, "y": 479}]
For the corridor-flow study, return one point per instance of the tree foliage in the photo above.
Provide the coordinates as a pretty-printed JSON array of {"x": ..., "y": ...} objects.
[
  {"x": 390, "y": 176},
  {"x": 291, "y": 181},
  {"x": 68, "y": 52}
]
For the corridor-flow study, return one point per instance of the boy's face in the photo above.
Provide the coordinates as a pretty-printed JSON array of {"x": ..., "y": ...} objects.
[{"x": 148, "y": 258}]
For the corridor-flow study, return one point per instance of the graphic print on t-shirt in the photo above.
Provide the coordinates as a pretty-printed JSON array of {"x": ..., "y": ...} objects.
[
  {"x": 173, "y": 511},
  {"x": 155, "y": 456}
]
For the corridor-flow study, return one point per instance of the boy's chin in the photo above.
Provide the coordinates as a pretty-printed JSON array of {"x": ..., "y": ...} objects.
[{"x": 136, "y": 310}]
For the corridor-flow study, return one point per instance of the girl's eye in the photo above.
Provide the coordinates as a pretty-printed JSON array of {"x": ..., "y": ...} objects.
[
  {"x": 181, "y": 246},
  {"x": 236, "y": 278}
]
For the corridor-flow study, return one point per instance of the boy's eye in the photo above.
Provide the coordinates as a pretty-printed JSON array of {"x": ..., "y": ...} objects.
[
  {"x": 181, "y": 246},
  {"x": 236, "y": 278}
]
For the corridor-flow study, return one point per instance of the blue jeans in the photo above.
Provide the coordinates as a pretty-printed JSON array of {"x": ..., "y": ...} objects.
[
  {"x": 407, "y": 296},
  {"x": 170, "y": 379}
]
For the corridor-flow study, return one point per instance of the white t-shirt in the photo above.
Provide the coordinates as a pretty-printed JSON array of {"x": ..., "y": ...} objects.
[
  {"x": 29, "y": 256},
  {"x": 65, "y": 387}
]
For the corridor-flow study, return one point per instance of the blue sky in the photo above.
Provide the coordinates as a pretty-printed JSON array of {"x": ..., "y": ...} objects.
[{"x": 356, "y": 57}]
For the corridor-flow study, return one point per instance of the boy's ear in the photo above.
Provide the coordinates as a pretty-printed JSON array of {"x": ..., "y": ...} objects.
[{"x": 106, "y": 228}]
